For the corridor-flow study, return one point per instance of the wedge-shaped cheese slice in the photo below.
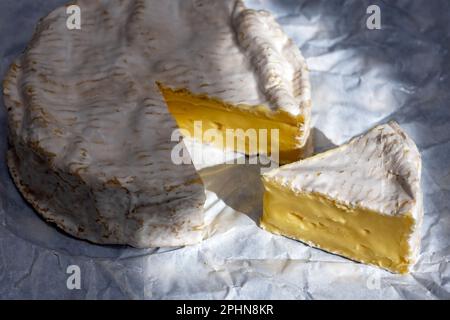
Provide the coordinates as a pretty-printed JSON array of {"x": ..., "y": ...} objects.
[
  {"x": 91, "y": 133},
  {"x": 361, "y": 200}
]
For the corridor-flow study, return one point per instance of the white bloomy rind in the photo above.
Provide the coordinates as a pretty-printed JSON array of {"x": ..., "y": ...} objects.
[
  {"x": 90, "y": 131},
  {"x": 380, "y": 171}
]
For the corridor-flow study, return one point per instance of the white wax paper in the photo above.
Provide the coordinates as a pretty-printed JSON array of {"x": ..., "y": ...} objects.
[{"x": 359, "y": 78}]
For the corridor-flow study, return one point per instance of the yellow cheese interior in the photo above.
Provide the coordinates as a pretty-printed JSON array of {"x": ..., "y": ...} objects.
[
  {"x": 188, "y": 109},
  {"x": 356, "y": 233}
]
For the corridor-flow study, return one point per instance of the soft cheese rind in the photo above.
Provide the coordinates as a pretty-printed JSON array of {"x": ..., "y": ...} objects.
[{"x": 127, "y": 192}]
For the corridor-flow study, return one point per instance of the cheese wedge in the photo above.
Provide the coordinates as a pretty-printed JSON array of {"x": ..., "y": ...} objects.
[
  {"x": 361, "y": 200},
  {"x": 91, "y": 132}
]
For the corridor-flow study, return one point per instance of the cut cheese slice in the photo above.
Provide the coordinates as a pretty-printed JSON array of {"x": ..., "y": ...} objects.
[
  {"x": 361, "y": 200},
  {"x": 91, "y": 133}
]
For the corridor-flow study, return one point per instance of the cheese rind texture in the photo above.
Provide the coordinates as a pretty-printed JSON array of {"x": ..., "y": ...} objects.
[
  {"x": 362, "y": 200},
  {"x": 84, "y": 168}
]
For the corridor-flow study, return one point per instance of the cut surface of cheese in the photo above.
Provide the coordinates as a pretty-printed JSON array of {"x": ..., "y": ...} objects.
[
  {"x": 361, "y": 200},
  {"x": 245, "y": 129},
  {"x": 90, "y": 130}
]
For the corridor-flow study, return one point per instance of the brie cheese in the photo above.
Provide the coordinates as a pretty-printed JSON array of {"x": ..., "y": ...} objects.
[
  {"x": 90, "y": 130},
  {"x": 361, "y": 200}
]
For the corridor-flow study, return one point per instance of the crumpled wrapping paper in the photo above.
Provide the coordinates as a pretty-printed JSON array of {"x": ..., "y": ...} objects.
[{"x": 360, "y": 78}]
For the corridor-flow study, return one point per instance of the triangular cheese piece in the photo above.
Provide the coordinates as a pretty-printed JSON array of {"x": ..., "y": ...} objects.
[{"x": 361, "y": 200}]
